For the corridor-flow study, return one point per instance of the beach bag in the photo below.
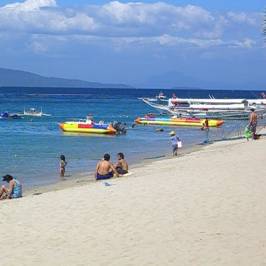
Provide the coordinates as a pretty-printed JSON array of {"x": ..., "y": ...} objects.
[
  {"x": 179, "y": 144},
  {"x": 247, "y": 133}
]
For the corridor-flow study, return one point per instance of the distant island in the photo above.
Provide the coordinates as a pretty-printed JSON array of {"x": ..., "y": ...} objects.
[{"x": 19, "y": 78}]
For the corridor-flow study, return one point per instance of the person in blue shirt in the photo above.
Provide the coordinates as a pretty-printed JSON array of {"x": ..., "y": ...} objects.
[{"x": 14, "y": 191}]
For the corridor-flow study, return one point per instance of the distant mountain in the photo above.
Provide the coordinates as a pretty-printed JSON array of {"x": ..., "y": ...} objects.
[{"x": 18, "y": 78}]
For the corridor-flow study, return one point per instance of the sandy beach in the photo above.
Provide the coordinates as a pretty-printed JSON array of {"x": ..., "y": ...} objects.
[{"x": 205, "y": 208}]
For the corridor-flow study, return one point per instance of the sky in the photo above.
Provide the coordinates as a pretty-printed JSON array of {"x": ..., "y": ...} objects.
[{"x": 201, "y": 43}]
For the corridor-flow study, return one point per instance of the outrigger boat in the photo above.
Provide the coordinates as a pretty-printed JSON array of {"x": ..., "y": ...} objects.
[
  {"x": 34, "y": 112},
  {"x": 177, "y": 121},
  {"x": 88, "y": 126},
  {"x": 210, "y": 108}
]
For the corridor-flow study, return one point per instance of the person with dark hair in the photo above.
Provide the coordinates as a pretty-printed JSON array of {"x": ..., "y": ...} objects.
[
  {"x": 14, "y": 191},
  {"x": 121, "y": 165},
  {"x": 63, "y": 164},
  {"x": 206, "y": 128},
  {"x": 253, "y": 119},
  {"x": 105, "y": 169}
]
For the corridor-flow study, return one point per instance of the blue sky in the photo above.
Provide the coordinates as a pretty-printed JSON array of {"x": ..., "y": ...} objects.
[
  {"x": 256, "y": 5},
  {"x": 214, "y": 44}
]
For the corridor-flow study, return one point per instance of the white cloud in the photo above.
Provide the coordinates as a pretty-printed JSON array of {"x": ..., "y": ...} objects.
[
  {"x": 243, "y": 18},
  {"x": 245, "y": 43},
  {"x": 42, "y": 16},
  {"x": 173, "y": 41},
  {"x": 130, "y": 23},
  {"x": 29, "y": 5},
  {"x": 150, "y": 14}
]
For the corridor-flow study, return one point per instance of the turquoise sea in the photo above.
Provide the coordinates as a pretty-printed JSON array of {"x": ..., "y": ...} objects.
[{"x": 30, "y": 147}]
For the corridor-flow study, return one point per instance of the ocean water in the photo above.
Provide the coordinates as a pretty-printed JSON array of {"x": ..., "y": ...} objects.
[{"x": 30, "y": 147}]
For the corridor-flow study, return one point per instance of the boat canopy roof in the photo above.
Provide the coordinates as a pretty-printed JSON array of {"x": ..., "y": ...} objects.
[{"x": 210, "y": 101}]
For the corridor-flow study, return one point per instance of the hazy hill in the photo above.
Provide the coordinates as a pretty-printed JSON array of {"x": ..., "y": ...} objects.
[{"x": 18, "y": 78}]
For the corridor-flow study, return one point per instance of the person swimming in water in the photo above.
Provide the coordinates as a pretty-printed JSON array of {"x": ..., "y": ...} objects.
[
  {"x": 121, "y": 165},
  {"x": 63, "y": 164},
  {"x": 105, "y": 169},
  {"x": 14, "y": 191}
]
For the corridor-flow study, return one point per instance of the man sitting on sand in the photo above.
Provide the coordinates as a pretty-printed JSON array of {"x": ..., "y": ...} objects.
[
  {"x": 104, "y": 169},
  {"x": 14, "y": 191},
  {"x": 121, "y": 165}
]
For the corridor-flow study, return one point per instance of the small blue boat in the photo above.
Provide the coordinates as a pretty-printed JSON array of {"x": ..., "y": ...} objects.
[{"x": 7, "y": 115}]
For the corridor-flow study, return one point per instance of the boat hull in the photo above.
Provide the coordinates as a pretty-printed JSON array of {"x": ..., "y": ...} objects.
[
  {"x": 189, "y": 122},
  {"x": 215, "y": 112},
  {"x": 73, "y": 127}
]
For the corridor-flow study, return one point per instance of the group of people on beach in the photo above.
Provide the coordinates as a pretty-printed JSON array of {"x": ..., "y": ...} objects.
[{"x": 104, "y": 168}]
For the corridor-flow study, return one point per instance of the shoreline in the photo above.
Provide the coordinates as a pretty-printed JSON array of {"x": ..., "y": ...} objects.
[{"x": 87, "y": 178}]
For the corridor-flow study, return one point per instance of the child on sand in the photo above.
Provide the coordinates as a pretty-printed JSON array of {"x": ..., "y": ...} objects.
[
  {"x": 63, "y": 164},
  {"x": 14, "y": 191},
  {"x": 174, "y": 141}
]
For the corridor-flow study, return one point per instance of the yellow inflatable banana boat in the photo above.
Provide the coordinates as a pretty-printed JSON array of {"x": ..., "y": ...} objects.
[
  {"x": 85, "y": 127},
  {"x": 189, "y": 122}
]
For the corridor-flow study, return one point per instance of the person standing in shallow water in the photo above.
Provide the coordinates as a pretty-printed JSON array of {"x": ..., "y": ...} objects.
[
  {"x": 63, "y": 164},
  {"x": 207, "y": 129},
  {"x": 174, "y": 141}
]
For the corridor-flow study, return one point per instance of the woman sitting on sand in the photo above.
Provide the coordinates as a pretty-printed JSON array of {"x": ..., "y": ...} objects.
[
  {"x": 121, "y": 165},
  {"x": 104, "y": 169},
  {"x": 14, "y": 191}
]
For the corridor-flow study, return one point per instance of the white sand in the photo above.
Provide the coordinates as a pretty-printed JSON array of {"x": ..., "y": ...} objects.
[{"x": 206, "y": 208}]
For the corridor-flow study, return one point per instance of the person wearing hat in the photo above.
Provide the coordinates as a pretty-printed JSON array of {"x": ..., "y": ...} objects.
[
  {"x": 14, "y": 191},
  {"x": 174, "y": 141}
]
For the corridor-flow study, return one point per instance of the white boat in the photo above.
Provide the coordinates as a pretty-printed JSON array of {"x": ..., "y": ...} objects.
[
  {"x": 213, "y": 101},
  {"x": 211, "y": 108},
  {"x": 34, "y": 113},
  {"x": 161, "y": 96}
]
